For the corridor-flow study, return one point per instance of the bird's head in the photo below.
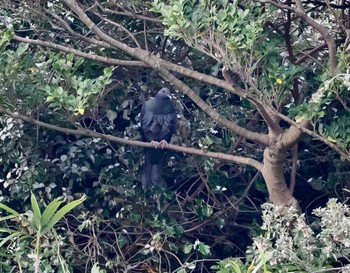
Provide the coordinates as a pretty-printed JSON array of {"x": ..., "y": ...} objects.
[{"x": 164, "y": 93}]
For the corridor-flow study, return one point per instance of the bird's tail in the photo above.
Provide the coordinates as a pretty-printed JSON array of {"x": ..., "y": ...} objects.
[{"x": 152, "y": 170}]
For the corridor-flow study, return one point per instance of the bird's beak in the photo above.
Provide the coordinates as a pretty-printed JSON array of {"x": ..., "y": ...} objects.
[{"x": 170, "y": 97}]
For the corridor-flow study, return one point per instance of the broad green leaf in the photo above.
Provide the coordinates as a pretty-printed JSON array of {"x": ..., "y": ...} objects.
[
  {"x": 108, "y": 71},
  {"x": 5, "y": 38},
  {"x": 62, "y": 212},
  {"x": 50, "y": 211},
  {"x": 70, "y": 56}
]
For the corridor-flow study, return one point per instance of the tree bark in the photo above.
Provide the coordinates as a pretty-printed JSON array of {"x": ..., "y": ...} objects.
[{"x": 273, "y": 173}]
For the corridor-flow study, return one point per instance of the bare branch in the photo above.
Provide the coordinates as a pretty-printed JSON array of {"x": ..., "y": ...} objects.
[{"x": 80, "y": 53}]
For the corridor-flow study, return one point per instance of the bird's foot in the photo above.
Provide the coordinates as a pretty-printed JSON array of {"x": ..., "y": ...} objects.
[
  {"x": 155, "y": 144},
  {"x": 163, "y": 144}
]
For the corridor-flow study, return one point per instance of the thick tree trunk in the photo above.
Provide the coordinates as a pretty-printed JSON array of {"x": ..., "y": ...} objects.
[{"x": 273, "y": 173}]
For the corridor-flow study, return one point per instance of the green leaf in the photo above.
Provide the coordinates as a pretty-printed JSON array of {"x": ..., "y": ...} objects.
[
  {"x": 2, "y": 254},
  {"x": 6, "y": 230},
  {"x": 50, "y": 211},
  {"x": 9, "y": 210},
  {"x": 173, "y": 247},
  {"x": 5, "y": 38},
  {"x": 8, "y": 217},
  {"x": 191, "y": 266},
  {"x": 36, "y": 209},
  {"x": 62, "y": 212},
  {"x": 299, "y": 119},
  {"x": 122, "y": 240},
  {"x": 95, "y": 269},
  {"x": 332, "y": 139},
  {"x": 188, "y": 248},
  {"x": 204, "y": 249},
  {"x": 22, "y": 48},
  {"x": 108, "y": 71},
  {"x": 205, "y": 210},
  {"x": 70, "y": 57},
  {"x": 18, "y": 234}
]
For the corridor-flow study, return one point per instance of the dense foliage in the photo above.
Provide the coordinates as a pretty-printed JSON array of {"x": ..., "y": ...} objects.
[{"x": 261, "y": 89}]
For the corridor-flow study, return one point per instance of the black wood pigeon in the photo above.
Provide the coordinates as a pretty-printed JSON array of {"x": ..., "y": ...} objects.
[{"x": 158, "y": 123}]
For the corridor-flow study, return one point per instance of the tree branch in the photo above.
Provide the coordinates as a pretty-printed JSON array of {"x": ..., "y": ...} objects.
[
  {"x": 260, "y": 138},
  {"x": 343, "y": 153},
  {"x": 276, "y": 4},
  {"x": 257, "y": 137},
  {"x": 129, "y": 14},
  {"x": 300, "y": 12},
  {"x": 332, "y": 47},
  {"x": 89, "y": 133},
  {"x": 170, "y": 66},
  {"x": 67, "y": 27},
  {"x": 274, "y": 128},
  {"x": 120, "y": 27},
  {"x": 154, "y": 62},
  {"x": 80, "y": 53}
]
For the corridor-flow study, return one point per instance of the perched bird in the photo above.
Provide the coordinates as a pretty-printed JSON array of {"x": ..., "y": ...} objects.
[{"x": 158, "y": 124}]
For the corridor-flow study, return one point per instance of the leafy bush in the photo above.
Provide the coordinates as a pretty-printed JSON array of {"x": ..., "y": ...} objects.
[{"x": 290, "y": 245}]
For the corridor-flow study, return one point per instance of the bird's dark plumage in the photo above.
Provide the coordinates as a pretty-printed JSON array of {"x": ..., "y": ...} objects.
[{"x": 158, "y": 124}]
